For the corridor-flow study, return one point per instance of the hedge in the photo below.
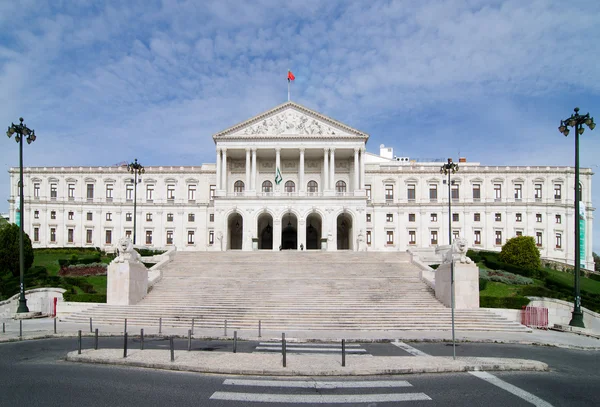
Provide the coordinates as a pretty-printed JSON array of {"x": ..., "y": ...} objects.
[
  {"x": 149, "y": 252},
  {"x": 503, "y": 302},
  {"x": 84, "y": 297},
  {"x": 76, "y": 260}
]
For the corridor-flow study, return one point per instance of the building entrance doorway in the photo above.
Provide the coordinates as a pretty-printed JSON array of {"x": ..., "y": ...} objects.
[
  {"x": 313, "y": 232},
  {"x": 235, "y": 229},
  {"x": 289, "y": 232},
  {"x": 344, "y": 232},
  {"x": 265, "y": 232}
]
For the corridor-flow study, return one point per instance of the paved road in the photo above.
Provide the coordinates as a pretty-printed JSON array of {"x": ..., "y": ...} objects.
[{"x": 34, "y": 373}]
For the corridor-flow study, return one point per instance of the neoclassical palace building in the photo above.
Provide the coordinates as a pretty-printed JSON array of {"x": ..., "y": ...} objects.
[{"x": 292, "y": 178}]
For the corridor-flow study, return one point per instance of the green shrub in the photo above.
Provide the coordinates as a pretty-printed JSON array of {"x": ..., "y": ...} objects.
[
  {"x": 521, "y": 251},
  {"x": 9, "y": 250},
  {"x": 148, "y": 265},
  {"x": 434, "y": 266},
  {"x": 149, "y": 252},
  {"x": 482, "y": 284},
  {"x": 539, "y": 291},
  {"x": 505, "y": 277},
  {"x": 473, "y": 255},
  {"x": 503, "y": 302},
  {"x": 595, "y": 277},
  {"x": 101, "y": 298}
]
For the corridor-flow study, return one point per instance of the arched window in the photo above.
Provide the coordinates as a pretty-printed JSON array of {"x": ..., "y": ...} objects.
[
  {"x": 238, "y": 186},
  {"x": 312, "y": 187},
  {"x": 267, "y": 186},
  {"x": 340, "y": 187},
  {"x": 290, "y": 186}
]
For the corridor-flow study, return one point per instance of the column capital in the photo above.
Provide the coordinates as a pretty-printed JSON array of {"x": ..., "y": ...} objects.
[
  {"x": 332, "y": 149},
  {"x": 363, "y": 150},
  {"x": 248, "y": 149},
  {"x": 277, "y": 149},
  {"x": 224, "y": 149},
  {"x": 356, "y": 150},
  {"x": 326, "y": 149},
  {"x": 302, "y": 149},
  {"x": 254, "y": 149}
]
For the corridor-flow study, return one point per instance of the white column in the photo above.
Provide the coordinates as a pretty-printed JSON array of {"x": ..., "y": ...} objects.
[
  {"x": 277, "y": 165},
  {"x": 332, "y": 169},
  {"x": 218, "y": 169},
  {"x": 247, "y": 186},
  {"x": 362, "y": 168},
  {"x": 224, "y": 171},
  {"x": 325, "y": 169},
  {"x": 254, "y": 169},
  {"x": 356, "y": 170},
  {"x": 301, "y": 172}
]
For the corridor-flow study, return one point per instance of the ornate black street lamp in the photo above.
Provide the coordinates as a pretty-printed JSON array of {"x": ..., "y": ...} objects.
[
  {"x": 136, "y": 169},
  {"x": 577, "y": 121},
  {"x": 448, "y": 169},
  {"x": 21, "y": 131}
]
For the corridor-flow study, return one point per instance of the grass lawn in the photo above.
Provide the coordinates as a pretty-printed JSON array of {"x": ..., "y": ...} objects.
[
  {"x": 496, "y": 289},
  {"x": 48, "y": 260},
  {"x": 586, "y": 284}
]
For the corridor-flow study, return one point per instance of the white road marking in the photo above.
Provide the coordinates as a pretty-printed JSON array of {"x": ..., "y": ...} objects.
[
  {"x": 314, "y": 384},
  {"x": 318, "y": 398},
  {"x": 536, "y": 401},
  {"x": 295, "y": 349},
  {"x": 409, "y": 349}
]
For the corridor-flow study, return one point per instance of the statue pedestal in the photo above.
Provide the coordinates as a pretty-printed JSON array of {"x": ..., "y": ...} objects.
[
  {"x": 466, "y": 285},
  {"x": 127, "y": 283}
]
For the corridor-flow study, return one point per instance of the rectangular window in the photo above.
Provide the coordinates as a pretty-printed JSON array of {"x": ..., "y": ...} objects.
[
  {"x": 518, "y": 217},
  {"x": 171, "y": 192},
  {"x": 53, "y": 191},
  {"x": 476, "y": 217},
  {"x": 108, "y": 216},
  {"x": 128, "y": 234},
  {"x": 411, "y": 192},
  {"x": 389, "y": 237},
  {"x": 368, "y": 217},
  {"x": 558, "y": 219},
  {"x": 455, "y": 235},
  {"x": 71, "y": 215},
  {"x": 389, "y": 217},
  {"x": 128, "y": 217},
  {"x": 211, "y": 237},
  {"x": 129, "y": 192},
  {"x": 36, "y": 234},
  {"x": 498, "y": 217},
  {"x": 389, "y": 192},
  {"x": 519, "y": 233},
  {"x": 498, "y": 237},
  {"x": 558, "y": 240},
  {"x": 433, "y": 217},
  {"x": 213, "y": 189},
  {"x": 89, "y": 216},
  {"x": 109, "y": 192},
  {"x": 71, "y": 192},
  {"x": 368, "y": 189},
  {"x": 90, "y": 191},
  {"x": 149, "y": 193},
  {"x": 455, "y": 217},
  {"x": 434, "y": 237},
  {"x": 411, "y": 217},
  {"x": 88, "y": 236},
  {"x": 368, "y": 237},
  {"x": 190, "y": 238},
  {"x": 412, "y": 237},
  {"x": 191, "y": 192},
  {"x": 557, "y": 192},
  {"x": 477, "y": 236},
  {"x": 191, "y": 217},
  {"x": 497, "y": 192},
  {"x": 476, "y": 192},
  {"x": 433, "y": 192},
  {"x": 36, "y": 190},
  {"x": 36, "y": 214},
  {"x": 70, "y": 233},
  {"x": 148, "y": 237},
  {"x": 454, "y": 192},
  {"x": 52, "y": 214},
  {"x": 211, "y": 217},
  {"x": 538, "y": 239},
  {"x": 169, "y": 237},
  {"x": 148, "y": 217},
  {"x": 518, "y": 192},
  {"x": 53, "y": 235},
  {"x": 169, "y": 217},
  {"x": 538, "y": 217},
  {"x": 538, "y": 192},
  {"x": 108, "y": 239}
]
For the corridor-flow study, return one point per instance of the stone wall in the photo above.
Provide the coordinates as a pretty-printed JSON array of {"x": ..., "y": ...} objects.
[{"x": 38, "y": 300}]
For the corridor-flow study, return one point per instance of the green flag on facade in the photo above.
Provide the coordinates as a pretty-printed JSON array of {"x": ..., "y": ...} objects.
[{"x": 278, "y": 177}]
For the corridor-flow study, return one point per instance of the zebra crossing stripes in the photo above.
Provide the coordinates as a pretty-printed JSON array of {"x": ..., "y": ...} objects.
[
  {"x": 295, "y": 398},
  {"x": 309, "y": 347}
]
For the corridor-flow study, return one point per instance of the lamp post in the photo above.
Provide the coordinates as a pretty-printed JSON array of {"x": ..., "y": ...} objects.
[
  {"x": 136, "y": 169},
  {"x": 21, "y": 131},
  {"x": 448, "y": 169},
  {"x": 577, "y": 121}
]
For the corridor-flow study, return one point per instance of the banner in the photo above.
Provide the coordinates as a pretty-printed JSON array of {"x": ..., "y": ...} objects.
[{"x": 582, "y": 233}]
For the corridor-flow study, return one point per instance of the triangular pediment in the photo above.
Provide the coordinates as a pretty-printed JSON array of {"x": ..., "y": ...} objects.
[{"x": 290, "y": 120}]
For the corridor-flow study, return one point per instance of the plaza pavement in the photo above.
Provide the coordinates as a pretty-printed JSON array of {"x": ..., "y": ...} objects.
[{"x": 298, "y": 364}]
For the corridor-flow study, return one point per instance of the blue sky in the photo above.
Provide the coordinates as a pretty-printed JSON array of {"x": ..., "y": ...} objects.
[{"x": 105, "y": 82}]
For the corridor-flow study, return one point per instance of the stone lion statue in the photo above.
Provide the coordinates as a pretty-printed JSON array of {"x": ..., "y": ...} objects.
[
  {"x": 458, "y": 251},
  {"x": 125, "y": 251}
]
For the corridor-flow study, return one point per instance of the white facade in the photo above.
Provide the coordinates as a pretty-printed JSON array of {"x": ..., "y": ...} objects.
[{"x": 333, "y": 195}]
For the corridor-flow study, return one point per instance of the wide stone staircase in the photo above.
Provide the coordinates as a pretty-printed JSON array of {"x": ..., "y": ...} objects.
[{"x": 294, "y": 290}]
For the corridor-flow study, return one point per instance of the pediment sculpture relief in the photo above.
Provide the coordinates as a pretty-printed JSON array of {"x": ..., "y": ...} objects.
[{"x": 290, "y": 122}]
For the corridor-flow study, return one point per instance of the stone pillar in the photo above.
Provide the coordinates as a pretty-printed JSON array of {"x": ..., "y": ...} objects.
[
  {"x": 247, "y": 186},
  {"x": 362, "y": 168},
  {"x": 277, "y": 165},
  {"x": 301, "y": 172},
  {"x": 356, "y": 170},
  {"x": 218, "y": 169},
  {"x": 224, "y": 171},
  {"x": 254, "y": 169},
  {"x": 325, "y": 169},
  {"x": 332, "y": 170},
  {"x": 277, "y": 228},
  {"x": 466, "y": 285}
]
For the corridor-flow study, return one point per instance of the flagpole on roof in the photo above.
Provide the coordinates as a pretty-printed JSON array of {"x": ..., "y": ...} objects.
[
  {"x": 290, "y": 78},
  {"x": 288, "y": 90}
]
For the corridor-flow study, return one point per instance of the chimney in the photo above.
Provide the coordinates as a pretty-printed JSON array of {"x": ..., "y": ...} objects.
[{"x": 462, "y": 160}]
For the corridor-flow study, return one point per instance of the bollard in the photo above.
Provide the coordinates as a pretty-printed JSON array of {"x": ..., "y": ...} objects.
[
  {"x": 343, "y": 352},
  {"x": 259, "y": 328},
  {"x": 283, "y": 348},
  {"x": 91, "y": 330},
  {"x": 142, "y": 339},
  {"x": 172, "y": 349},
  {"x": 160, "y": 325},
  {"x": 125, "y": 330},
  {"x": 96, "y": 340},
  {"x": 192, "y": 326},
  {"x": 189, "y": 340},
  {"x": 225, "y": 328},
  {"x": 54, "y": 325},
  {"x": 4, "y": 328},
  {"x": 79, "y": 343},
  {"x": 125, "y": 345},
  {"x": 234, "y": 341},
  {"x": 20, "y": 328}
]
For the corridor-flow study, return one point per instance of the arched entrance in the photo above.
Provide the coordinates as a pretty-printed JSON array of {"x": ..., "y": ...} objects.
[
  {"x": 313, "y": 231},
  {"x": 344, "y": 232},
  {"x": 289, "y": 232},
  {"x": 265, "y": 232},
  {"x": 235, "y": 231}
]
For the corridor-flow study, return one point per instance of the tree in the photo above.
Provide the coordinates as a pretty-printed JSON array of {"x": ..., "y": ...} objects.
[
  {"x": 9, "y": 250},
  {"x": 3, "y": 222},
  {"x": 521, "y": 251},
  {"x": 596, "y": 261}
]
